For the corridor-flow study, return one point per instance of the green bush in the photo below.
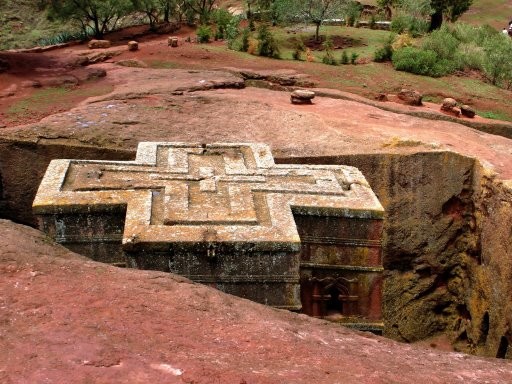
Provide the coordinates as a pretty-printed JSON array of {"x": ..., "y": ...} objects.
[
  {"x": 222, "y": 18},
  {"x": 403, "y": 23},
  {"x": 442, "y": 42},
  {"x": 470, "y": 56},
  {"x": 267, "y": 45},
  {"x": 344, "y": 58},
  {"x": 328, "y": 47},
  {"x": 459, "y": 46},
  {"x": 204, "y": 34},
  {"x": 246, "y": 35},
  {"x": 385, "y": 52},
  {"x": 231, "y": 33},
  {"x": 300, "y": 49},
  {"x": 421, "y": 62},
  {"x": 497, "y": 63},
  {"x": 353, "y": 58}
]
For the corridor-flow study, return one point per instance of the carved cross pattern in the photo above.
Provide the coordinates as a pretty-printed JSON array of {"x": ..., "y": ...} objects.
[{"x": 178, "y": 192}]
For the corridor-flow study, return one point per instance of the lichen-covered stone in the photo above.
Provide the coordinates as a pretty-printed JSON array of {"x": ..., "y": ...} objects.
[
  {"x": 467, "y": 111},
  {"x": 410, "y": 97},
  {"x": 133, "y": 45},
  {"x": 448, "y": 104},
  {"x": 95, "y": 44},
  {"x": 301, "y": 96},
  {"x": 172, "y": 41}
]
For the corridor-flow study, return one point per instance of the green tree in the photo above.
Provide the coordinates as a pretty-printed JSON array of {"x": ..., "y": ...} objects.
[
  {"x": 203, "y": 8},
  {"x": 157, "y": 10},
  {"x": 412, "y": 17},
  {"x": 168, "y": 8},
  {"x": 450, "y": 9},
  {"x": 151, "y": 9},
  {"x": 100, "y": 15},
  {"x": 497, "y": 65},
  {"x": 310, "y": 11}
]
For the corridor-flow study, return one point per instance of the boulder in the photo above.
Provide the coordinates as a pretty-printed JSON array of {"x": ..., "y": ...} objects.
[
  {"x": 31, "y": 84},
  {"x": 172, "y": 41},
  {"x": 301, "y": 96},
  {"x": 448, "y": 104},
  {"x": 135, "y": 63},
  {"x": 467, "y": 111},
  {"x": 381, "y": 97},
  {"x": 133, "y": 45},
  {"x": 94, "y": 44},
  {"x": 410, "y": 97}
]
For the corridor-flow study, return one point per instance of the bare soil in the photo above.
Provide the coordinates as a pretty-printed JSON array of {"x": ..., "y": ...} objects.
[
  {"x": 51, "y": 68},
  {"x": 338, "y": 42}
]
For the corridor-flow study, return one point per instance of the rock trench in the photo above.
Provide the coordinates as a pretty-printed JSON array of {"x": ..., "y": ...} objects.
[{"x": 447, "y": 222}]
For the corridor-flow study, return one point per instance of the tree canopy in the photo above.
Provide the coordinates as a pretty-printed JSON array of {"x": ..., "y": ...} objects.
[
  {"x": 310, "y": 11},
  {"x": 101, "y": 15},
  {"x": 451, "y": 9}
]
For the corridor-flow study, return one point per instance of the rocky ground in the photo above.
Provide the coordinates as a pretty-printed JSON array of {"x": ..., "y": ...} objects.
[{"x": 66, "y": 319}]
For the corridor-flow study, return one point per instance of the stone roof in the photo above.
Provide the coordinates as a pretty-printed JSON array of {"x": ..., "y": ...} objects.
[{"x": 227, "y": 193}]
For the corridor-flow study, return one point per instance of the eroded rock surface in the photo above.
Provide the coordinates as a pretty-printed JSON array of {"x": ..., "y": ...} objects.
[
  {"x": 66, "y": 319},
  {"x": 447, "y": 248}
]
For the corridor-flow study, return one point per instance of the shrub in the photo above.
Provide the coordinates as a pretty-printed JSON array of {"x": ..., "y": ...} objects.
[
  {"x": 232, "y": 32},
  {"x": 353, "y": 58},
  {"x": 412, "y": 17},
  {"x": 442, "y": 42},
  {"x": 329, "y": 59},
  {"x": 222, "y": 19},
  {"x": 344, "y": 58},
  {"x": 252, "y": 46},
  {"x": 352, "y": 13},
  {"x": 309, "y": 56},
  {"x": 385, "y": 52},
  {"x": 421, "y": 62},
  {"x": 204, "y": 34},
  {"x": 299, "y": 50},
  {"x": 497, "y": 63},
  {"x": 267, "y": 44},
  {"x": 401, "y": 41},
  {"x": 469, "y": 55},
  {"x": 246, "y": 35},
  {"x": 328, "y": 47}
]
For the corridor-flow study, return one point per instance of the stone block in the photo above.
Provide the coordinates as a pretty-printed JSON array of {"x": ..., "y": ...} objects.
[
  {"x": 410, "y": 97},
  {"x": 292, "y": 236},
  {"x": 133, "y": 45},
  {"x": 95, "y": 44},
  {"x": 301, "y": 96},
  {"x": 172, "y": 41}
]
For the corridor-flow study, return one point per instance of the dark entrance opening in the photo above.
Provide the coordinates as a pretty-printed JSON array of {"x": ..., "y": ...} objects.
[
  {"x": 484, "y": 329},
  {"x": 503, "y": 348}
]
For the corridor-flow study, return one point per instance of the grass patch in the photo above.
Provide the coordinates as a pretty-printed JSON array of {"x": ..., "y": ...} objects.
[
  {"x": 368, "y": 40},
  {"x": 495, "y": 115},
  {"x": 50, "y": 100},
  {"x": 496, "y": 13},
  {"x": 162, "y": 64}
]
